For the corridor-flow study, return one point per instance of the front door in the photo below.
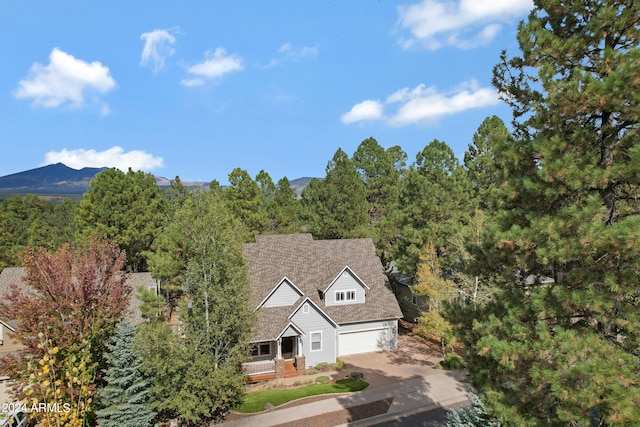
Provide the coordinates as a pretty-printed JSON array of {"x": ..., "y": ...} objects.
[{"x": 288, "y": 347}]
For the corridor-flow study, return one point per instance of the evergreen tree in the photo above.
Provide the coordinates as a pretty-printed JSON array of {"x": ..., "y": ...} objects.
[
  {"x": 245, "y": 199},
  {"x": 177, "y": 195},
  {"x": 286, "y": 209},
  {"x": 128, "y": 209},
  {"x": 376, "y": 169},
  {"x": 29, "y": 221},
  {"x": 483, "y": 166},
  {"x": 435, "y": 199},
  {"x": 565, "y": 353},
  {"x": 336, "y": 207},
  {"x": 124, "y": 398},
  {"x": 380, "y": 170},
  {"x": 473, "y": 415}
]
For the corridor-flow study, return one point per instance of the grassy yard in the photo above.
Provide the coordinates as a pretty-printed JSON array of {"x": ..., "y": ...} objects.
[{"x": 254, "y": 402}]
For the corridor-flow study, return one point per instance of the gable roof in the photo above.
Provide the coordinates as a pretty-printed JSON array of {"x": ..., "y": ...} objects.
[
  {"x": 275, "y": 288},
  {"x": 347, "y": 269},
  {"x": 16, "y": 276},
  {"x": 313, "y": 265}
]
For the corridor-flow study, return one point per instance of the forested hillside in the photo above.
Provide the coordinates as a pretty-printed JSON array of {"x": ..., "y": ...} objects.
[{"x": 527, "y": 250}]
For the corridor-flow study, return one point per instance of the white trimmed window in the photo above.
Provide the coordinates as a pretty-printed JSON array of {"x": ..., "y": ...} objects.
[
  {"x": 414, "y": 299},
  {"x": 316, "y": 341},
  {"x": 342, "y": 296}
]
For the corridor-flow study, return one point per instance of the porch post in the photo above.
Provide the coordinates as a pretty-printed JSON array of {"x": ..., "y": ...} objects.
[
  {"x": 301, "y": 364},
  {"x": 279, "y": 360}
]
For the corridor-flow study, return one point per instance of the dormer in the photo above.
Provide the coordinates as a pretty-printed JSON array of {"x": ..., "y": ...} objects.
[
  {"x": 285, "y": 293},
  {"x": 346, "y": 288}
]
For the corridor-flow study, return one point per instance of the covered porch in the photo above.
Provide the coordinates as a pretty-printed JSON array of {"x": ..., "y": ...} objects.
[{"x": 280, "y": 358}]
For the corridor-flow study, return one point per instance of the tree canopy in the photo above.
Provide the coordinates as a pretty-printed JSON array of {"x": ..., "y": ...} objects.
[
  {"x": 435, "y": 199},
  {"x": 128, "y": 208},
  {"x": 74, "y": 300},
  {"x": 214, "y": 308},
  {"x": 565, "y": 352}
]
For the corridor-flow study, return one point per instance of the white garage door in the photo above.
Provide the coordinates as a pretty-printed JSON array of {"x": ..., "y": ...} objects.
[{"x": 363, "y": 341}]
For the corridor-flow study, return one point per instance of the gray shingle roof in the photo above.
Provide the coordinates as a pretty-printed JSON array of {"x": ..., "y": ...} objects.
[
  {"x": 312, "y": 265},
  {"x": 15, "y": 276}
]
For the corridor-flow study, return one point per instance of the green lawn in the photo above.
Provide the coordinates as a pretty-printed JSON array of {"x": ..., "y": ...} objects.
[{"x": 254, "y": 402}]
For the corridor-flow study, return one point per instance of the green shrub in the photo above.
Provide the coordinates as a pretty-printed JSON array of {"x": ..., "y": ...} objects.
[
  {"x": 297, "y": 383},
  {"x": 437, "y": 366},
  {"x": 339, "y": 364},
  {"x": 323, "y": 379},
  {"x": 311, "y": 371},
  {"x": 357, "y": 375},
  {"x": 453, "y": 361},
  {"x": 321, "y": 366}
]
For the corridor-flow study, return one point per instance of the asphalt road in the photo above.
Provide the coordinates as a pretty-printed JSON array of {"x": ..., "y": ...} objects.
[{"x": 434, "y": 418}]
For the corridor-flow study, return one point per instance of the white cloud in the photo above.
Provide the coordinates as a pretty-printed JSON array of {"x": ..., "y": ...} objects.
[
  {"x": 424, "y": 104},
  {"x": 64, "y": 79},
  {"x": 288, "y": 53},
  {"x": 157, "y": 48},
  {"x": 462, "y": 23},
  {"x": 215, "y": 65},
  {"x": 114, "y": 157},
  {"x": 366, "y": 110}
]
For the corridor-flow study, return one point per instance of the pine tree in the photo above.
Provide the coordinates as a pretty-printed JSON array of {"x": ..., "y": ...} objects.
[
  {"x": 124, "y": 398},
  {"x": 565, "y": 353},
  {"x": 127, "y": 208},
  {"x": 245, "y": 199},
  {"x": 483, "y": 166},
  {"x": 376, "y": 168},
  {"x": 285, "y": 209},
  {"x": 336, "y": 207},
  {"x": 435, "y": 199}
]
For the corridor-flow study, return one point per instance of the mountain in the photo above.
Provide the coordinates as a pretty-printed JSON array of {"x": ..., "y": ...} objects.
[
  {"x": 60, "y": 179},
  {"x": 50, "y": 179},
  {"x": 299, "y": 184}
]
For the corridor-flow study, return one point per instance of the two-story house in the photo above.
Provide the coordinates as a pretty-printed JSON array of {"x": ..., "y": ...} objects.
[{"x": 317, "y": 300}]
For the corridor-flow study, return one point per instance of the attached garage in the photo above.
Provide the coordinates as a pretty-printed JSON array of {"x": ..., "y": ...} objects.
[{"x": 367, "y": 340}]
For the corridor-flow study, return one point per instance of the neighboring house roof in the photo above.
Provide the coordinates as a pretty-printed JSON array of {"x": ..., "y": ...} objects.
[
  {"x": 15, "y": 276},
  {"x": 312, "y": 266}
]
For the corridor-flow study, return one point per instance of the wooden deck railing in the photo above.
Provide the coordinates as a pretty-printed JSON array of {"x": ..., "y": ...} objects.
[{"x": 253, "y": 368}]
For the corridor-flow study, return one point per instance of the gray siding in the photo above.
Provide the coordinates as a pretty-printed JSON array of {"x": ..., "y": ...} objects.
[
  {"x": 290, "y": 332},
  {"x": 284, "y": 295},
  {"x": 314, "y": 321},
  {"x": 346, "y": 282},
  {"x": 410, "y": 311}
]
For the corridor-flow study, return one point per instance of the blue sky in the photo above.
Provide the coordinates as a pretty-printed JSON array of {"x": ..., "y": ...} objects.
[{"x": 196, "y": 89}]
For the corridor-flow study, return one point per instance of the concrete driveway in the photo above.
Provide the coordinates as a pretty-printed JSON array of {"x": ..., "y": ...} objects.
[
  {"x": 403, "y": 379},
  {"x": 412, "y": 359}
]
